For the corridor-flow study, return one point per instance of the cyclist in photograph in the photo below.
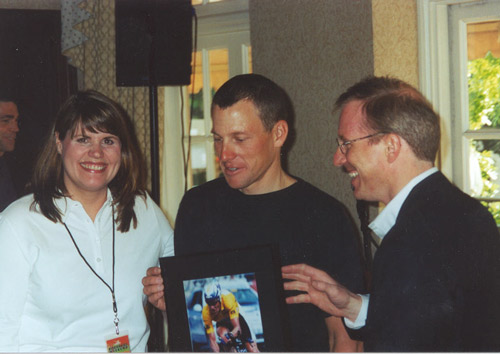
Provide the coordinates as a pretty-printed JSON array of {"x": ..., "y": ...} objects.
[{"x": 231, "y": 327}]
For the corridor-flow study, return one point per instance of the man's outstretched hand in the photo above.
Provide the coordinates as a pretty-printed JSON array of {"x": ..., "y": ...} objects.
[{"x": 320, "y": 290}]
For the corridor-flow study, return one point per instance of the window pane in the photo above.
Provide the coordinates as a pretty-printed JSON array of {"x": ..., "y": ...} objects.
[
  {"x": 219, "y": 73},
  {"x": 484, "y": 164},
  {"x": 483, "y": 50},
  {"x": 198, "y": 163},
  {"x": 219, "y": 68},
  {"x": 195, "y": 90}
]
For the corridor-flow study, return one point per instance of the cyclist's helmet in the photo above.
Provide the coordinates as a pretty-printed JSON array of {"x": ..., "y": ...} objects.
[{"x": 212, "y": 292}]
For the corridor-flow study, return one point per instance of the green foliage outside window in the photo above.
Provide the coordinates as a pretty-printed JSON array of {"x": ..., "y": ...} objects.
[
  {"x": 197, "y": 103},
  {"x": 484, "y": 113}
]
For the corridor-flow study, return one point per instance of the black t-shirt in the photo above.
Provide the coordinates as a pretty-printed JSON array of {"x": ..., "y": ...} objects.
[{"x": 309, "y": 225}]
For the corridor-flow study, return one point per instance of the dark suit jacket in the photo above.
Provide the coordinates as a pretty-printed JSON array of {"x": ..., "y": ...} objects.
[
  {"x": 436, "y": 275},
  {"x": 7, "y": 190}
]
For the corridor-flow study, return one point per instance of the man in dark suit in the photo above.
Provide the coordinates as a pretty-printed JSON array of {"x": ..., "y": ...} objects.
[{"x": 436, "y": 274}]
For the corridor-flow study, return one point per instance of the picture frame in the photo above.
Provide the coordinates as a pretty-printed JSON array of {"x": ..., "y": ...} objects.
[{"x": 252, "y": 275}]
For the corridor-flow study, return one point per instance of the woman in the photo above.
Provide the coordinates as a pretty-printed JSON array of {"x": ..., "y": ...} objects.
[{"x": 73, "y": 253}]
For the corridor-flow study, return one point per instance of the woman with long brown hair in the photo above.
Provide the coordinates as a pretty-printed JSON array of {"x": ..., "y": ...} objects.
[{"x": 73, "y": 253}]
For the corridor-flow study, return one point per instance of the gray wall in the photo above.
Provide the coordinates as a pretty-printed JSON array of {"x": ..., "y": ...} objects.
[{"x": 314, "y": 49}]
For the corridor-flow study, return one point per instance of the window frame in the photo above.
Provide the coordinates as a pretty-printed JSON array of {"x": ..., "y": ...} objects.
[{"x": 434, "y": 75}]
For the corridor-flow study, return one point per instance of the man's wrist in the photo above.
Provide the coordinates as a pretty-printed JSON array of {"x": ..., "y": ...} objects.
[{"x": 359, "y": 319}]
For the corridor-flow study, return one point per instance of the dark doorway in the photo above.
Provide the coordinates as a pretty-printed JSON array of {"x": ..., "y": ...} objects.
[{"x": 33, "y": 70}]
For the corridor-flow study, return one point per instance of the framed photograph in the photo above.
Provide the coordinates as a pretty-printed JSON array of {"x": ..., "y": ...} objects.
[{"x": 204, "y": 293}]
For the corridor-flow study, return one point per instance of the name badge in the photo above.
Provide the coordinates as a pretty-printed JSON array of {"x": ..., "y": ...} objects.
[{"x": 118, "y": 344}]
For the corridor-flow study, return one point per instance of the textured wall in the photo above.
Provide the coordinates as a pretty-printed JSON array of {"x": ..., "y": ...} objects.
[
  {"x": 395, "y": 44},
  {"x": 314, "y": 49}
]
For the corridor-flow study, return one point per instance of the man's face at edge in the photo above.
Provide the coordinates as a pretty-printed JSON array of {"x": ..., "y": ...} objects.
[{"x": 9, "y": 116}]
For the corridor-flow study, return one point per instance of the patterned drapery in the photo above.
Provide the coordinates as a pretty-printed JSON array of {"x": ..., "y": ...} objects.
[{"x": 71, "y": 15}]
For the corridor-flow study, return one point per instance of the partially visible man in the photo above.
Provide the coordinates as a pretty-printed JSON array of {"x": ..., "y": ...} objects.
[
  {"x": 436, "y": 274},
  {"x": 9, "y": 116},
  {"x": 257, "y": 203}
]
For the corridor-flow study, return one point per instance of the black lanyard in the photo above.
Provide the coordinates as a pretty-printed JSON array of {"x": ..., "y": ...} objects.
[{"x": 112, "y": 289}]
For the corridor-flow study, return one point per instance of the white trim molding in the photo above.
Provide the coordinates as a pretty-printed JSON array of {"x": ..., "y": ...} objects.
[{"x": 434, "y": 68}]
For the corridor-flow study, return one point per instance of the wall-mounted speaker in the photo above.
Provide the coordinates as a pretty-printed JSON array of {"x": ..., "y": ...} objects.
[{"x": 153, "y": 42}]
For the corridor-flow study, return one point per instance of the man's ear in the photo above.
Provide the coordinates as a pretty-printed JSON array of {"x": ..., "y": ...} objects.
[
  {"x": 58, "y": 143},
  {"x": 393, "y": 147},
  {"x": 280, "y": 133}
]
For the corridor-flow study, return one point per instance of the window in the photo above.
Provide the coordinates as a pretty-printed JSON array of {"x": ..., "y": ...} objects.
[
  {"x": 459, "y": 50},
  {"x": 482, "y": 126},
  {"x": 223, "y": 51}
]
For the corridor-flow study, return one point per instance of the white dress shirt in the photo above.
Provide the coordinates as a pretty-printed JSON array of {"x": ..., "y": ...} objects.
[
  {"x": 49, "y": 298},
  {"x": 382, "y": 224}
]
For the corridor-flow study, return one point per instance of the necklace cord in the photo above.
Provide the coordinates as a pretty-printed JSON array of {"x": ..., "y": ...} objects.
[{"x": 112, "y": 289}]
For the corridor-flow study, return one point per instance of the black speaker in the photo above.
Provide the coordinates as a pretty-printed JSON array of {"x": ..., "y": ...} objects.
[{"x": 153, "y": 42}]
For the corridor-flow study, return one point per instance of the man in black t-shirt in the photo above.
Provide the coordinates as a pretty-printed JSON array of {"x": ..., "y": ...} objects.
[{"x": 257, "y": 202}]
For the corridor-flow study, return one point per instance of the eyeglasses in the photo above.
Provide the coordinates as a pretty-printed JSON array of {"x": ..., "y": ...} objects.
[{"x": 344, "y": 146}]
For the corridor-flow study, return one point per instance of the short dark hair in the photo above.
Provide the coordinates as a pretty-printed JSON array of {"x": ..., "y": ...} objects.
[
  {"x": 92, "y": 111},
  {"x": 8, "y": 97},
  {"x": 394, "y": 106},
  {"x": 272, "y": 101}
]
